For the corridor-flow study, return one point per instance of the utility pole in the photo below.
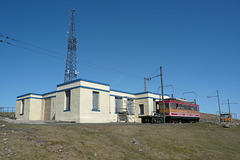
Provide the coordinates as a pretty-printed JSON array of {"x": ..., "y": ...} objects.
[
  {"x": 228, "y": 102},
  {"x": 71, "y": 62},
  {"x": 218, "y": 104},
  {"x": 162, "y": 95}
]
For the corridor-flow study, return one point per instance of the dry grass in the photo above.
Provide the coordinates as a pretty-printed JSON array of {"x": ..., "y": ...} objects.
[{"x": 143, "y": 141}]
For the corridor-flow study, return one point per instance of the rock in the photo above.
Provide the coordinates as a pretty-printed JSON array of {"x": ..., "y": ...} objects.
[
  {"x": 3, "y": 125},
  {"x": 40, "y": 141},
  {"x": 9, "y": 150},
  {"x": 5, "y": 139},
  {"x": 95, "y": 154},
  {"x": 226, "y": 125},
  {"x": 140, "y": 150},
  {"x": 134, "y": 141}
]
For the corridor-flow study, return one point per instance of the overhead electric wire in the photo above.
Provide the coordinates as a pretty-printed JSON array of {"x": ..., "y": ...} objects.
[
  {"x": 60, "y": 54},
  {"x": 97, "y": 66},
  {"x": 29, "y": 44},
  {"x": 154, "y": 72},
  {"x": 31, "y": 50}
]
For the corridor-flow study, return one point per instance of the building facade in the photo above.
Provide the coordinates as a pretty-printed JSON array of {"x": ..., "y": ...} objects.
[{"x": 85, "y": 101}]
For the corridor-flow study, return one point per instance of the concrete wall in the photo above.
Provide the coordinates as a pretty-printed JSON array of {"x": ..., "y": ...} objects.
[{"x": 60, "y": 106}]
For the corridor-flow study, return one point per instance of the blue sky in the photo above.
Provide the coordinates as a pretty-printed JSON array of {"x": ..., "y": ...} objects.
[{"x": 119, "y": 42}]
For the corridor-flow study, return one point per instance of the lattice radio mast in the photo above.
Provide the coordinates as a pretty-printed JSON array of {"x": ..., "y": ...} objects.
[{"x": 71, "y": 62}]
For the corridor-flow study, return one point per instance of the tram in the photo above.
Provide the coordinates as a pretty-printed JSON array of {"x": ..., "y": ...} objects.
[{"x": 178, "y": 110}]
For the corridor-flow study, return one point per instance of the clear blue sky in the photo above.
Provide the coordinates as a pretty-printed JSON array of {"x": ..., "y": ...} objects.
[{"x": 196, "y": 42}]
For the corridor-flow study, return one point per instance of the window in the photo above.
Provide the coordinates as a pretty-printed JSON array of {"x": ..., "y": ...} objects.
[
  {"x": 130, "y": 106},
  {"x": 68, "y": 100},
  {"x": 22, "y": 108},
  {"x": 154, "y": 106},
  {"x": 166, "y": 105},
  {"x": 141, "y": 108},
  {"x": 173, "y": 105},
  {"x": 184, "y": 106},
  {"x": 118, "y": 104},
  {"x": 95, "y": 106},
  {"x": 192, "y": 108},
  {"x": 180, "y": 106},
  {"x": 188, "y": 107}
]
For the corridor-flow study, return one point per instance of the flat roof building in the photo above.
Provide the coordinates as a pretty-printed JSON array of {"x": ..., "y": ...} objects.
[{"x": 85, "y": 101}]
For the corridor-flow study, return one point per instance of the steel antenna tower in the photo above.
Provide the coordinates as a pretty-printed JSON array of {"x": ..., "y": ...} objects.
[{"x": 71, "y": 62}]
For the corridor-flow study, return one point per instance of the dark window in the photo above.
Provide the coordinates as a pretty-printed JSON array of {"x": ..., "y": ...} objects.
[
  {"x": 141, "y": 108},
  {"x": 22, "y": 108},
  {"x": 180, "y": 106},
  {"x": 95, "y": 101},
  {"x": 188, "y": 107},
  {"x": 118, "y": 104},
  {"x": 192, "y": 108},
  {"x": 184, "y": 106},
  {"x": 166, "y": 105},
  {"x": 68, "y": 100}
]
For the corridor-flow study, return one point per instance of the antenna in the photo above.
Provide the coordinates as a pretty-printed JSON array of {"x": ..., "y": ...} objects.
[{"x": 71, "y": 62}]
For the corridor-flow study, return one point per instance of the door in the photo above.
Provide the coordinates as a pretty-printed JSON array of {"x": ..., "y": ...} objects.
[{"x": 47, "y": 110}]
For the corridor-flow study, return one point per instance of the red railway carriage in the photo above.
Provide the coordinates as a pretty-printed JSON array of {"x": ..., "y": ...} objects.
[{"x": 179, "y": 110}]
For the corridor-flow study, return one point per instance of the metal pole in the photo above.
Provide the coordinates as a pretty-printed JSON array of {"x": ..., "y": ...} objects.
[
  {"x": 162, "y": 95},
  {"x": 219, "y": 106},
  {"x": 229, "y": 107}
]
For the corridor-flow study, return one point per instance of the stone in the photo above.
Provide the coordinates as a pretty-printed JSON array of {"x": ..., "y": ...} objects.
[{"x": 95, "y": 154}]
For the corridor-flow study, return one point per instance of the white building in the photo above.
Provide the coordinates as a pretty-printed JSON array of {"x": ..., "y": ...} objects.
[{"x": 85, "y": 101}]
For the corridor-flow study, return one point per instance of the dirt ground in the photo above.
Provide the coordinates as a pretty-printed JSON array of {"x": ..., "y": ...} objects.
[{"x": 118, "y": 141}]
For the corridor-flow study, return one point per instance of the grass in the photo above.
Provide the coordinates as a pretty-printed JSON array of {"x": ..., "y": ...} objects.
[{"x": 157, "y": 141}]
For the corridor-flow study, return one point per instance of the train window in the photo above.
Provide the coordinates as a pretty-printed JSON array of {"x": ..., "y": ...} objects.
[
  {"x": 184, "y": 106},
  {"x": 161, "y": 105},
  {"x": 177, "y": 106},
  {"x": 188, "y": 107},
  {"x": 180, "y": 106},
  {"x": 192, "y": 108},
  {"x": 173, "y": 105},
  {"x": 195, "y": 108},
  {"x": 166, "y": 105}
]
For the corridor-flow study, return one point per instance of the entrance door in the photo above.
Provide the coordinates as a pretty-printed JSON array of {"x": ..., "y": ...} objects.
[{"x": 47, "y": 110}]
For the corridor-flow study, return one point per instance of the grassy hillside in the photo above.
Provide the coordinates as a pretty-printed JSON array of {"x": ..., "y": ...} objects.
[{"x": 119, "y": 141}]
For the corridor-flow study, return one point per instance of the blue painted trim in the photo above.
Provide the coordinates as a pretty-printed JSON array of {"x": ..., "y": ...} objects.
[
  {"x": 140, "y": 114},
  {"x": 29, "y": 94},
  {"x": 96, "y": 110},
  {"x": 80, "y": 79},
  {"x": 121, "y": 91},
  {"x": 21, "y": 114},
  {"x": 117, "y": 96},
  {"x": 66, "y": 110},
  {"x": 49, "y": 93},
  {"x": 35, "y": 98},
  {"x": 116, "y": 113},
  {"x": 131, "y": 114},
  {"x": 83, "y": 87},
  {"x": 29, "y": 98}
]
